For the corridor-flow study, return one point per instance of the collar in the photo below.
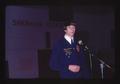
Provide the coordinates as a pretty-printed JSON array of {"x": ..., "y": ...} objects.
[{"x": 68, "y": 38}]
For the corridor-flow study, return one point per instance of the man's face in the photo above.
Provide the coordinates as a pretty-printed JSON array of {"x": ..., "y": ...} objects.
[{"x": 70, "y": 30}]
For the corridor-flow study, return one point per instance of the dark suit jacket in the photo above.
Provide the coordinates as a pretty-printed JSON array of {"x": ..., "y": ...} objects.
[{"x": 64, "y": 54}]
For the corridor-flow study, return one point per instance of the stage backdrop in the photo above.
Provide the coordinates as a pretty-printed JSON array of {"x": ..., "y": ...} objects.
[{"x": 27, "y": 27}]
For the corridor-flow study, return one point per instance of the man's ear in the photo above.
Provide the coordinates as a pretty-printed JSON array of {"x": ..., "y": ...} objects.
[{"x": 65, "y": 31}]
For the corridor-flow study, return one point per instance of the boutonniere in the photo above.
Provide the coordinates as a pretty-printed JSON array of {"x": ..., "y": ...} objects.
[{"x": 68, "y": 51}]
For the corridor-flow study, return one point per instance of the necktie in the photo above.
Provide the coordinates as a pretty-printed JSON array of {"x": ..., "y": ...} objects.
[{"x": 72, "y": 42}]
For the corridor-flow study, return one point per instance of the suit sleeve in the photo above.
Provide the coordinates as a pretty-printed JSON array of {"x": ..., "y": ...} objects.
[{"x": 54, "y": 62}]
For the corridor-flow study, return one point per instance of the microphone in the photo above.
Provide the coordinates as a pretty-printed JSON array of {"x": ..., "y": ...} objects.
[
  {"x": 80, "y": 42},
  {"x": 85, "y": 47}
]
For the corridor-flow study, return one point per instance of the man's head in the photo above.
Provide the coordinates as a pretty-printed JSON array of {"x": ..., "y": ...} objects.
[{"x": 70, "y": 28}]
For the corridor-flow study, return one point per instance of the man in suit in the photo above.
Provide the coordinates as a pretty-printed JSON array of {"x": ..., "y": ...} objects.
[{"x": 68, "y": 57}]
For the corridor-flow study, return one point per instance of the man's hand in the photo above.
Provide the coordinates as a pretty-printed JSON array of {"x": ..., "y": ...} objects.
[{"x": 74, "y": 68}]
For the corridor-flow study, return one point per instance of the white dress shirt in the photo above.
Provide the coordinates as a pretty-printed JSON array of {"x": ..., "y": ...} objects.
[{"x": 68, "y": 38}]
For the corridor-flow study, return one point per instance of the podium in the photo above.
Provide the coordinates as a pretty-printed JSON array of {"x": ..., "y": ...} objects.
[{"x": 43, "y": 64}]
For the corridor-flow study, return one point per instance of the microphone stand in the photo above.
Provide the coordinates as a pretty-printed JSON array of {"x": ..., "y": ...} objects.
[
  {"x": 102, "y": 63},
  {"x": 90, "y": 57}
]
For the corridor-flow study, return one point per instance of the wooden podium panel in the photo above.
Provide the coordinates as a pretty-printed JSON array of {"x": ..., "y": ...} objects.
[{"x": 43, "y": 62}]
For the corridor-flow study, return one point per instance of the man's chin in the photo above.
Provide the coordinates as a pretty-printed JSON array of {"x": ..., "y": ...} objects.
[{"x": 72, "y": 34}]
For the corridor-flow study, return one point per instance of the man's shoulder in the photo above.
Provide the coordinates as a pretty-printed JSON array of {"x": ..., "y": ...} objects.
[{"x": 60, "y": 40}]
